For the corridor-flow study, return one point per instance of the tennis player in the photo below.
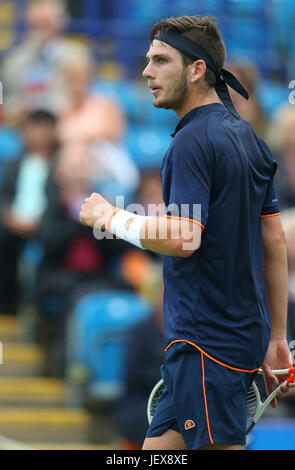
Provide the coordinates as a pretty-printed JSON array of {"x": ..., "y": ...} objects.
[{"x": 225, "y": 269}]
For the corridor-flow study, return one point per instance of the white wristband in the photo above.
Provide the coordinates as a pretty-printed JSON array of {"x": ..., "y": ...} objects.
[{"x": 127, "y": 226}]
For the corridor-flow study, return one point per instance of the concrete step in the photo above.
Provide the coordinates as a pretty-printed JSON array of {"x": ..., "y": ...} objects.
[
  {"x": 21, "y": 359},
  {"x": 41, "y": 425},
  {"x": 10, "y": 328},
  {"x": 21, "y": 391}
]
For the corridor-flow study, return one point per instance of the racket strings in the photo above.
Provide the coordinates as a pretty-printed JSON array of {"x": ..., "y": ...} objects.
[
  {"x": 252, "y": 404},
  {"x": 255, "y": 395}
]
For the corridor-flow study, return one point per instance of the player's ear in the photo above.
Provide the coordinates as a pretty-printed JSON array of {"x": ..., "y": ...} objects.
[{"x": 197, "y": 70}]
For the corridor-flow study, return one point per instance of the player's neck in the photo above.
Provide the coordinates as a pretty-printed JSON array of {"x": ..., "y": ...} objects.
[{"x": 197, "y": 100}]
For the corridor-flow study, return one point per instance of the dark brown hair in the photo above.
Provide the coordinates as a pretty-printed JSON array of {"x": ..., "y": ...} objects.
[{"x": 204, "y": 32}]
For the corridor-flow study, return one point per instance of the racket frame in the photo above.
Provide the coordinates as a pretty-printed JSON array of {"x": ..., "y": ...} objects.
[
  {"x": 261, "y": 407},
  {"x": 156, "y": 387}
]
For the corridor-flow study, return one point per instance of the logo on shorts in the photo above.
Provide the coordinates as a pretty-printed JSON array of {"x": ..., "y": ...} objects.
[
  {"x": 128, "y": 223},
  {"x": 189, "y": 424}
]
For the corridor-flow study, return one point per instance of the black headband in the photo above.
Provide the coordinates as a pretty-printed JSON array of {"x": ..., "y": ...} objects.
[{"x": 194, "y": 52}]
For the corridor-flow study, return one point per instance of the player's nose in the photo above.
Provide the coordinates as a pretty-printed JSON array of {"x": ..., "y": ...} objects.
[{"x": 148, "y": 72}]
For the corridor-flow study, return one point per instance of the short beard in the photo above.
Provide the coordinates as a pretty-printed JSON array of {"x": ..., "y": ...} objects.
[{"x": 181, "y": 92}]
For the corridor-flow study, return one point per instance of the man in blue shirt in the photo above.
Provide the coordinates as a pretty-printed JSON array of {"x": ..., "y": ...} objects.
[{"x": 225, "y": 269}]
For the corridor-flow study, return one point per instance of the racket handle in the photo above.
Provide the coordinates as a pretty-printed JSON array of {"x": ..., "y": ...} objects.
[{"x": 250, "y": 427}]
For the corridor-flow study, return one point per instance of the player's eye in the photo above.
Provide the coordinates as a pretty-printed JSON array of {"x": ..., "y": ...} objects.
[{"x": 162, "y": 60}]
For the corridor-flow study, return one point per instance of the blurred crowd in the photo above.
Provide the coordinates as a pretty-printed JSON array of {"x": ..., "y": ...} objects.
[{"x": 63, "y": 136}]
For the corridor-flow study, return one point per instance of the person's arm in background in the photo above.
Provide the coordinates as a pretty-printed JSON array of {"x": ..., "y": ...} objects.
[
  {"x": 8, "y": 220},
  {"x": 276, "y": 282},
  {"x": 56, "y": 228}
]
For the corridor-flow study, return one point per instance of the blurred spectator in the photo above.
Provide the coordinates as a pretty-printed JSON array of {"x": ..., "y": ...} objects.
[
  {"x": 31, "y": 71},
  {"x": 145, "y": 354},
  {"x": 281, "y": 139},
  {"x": 112, "y": 172},
  {"x": 98, "y": 124},
  {"x": 150, "y": 193},
  {"x": 86, "y": 116},
  {"x": 249, "y": 110},
  {"x": 23, "y": 200},
  {"x": 74, "y": 261}
]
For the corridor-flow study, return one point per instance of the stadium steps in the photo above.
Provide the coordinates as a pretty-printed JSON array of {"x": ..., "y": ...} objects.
[
  {"x": 20, "y": 359},
  {"x": 36, "y": 424},
  {"x": 10, "y": 328},
  {"x": 30, "y": 391},
  {"x": 34, "y": 410}
]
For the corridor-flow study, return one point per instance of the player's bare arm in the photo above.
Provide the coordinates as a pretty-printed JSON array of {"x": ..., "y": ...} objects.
[
  {"x": 164, "y": 235},
  {"x": 276, "y": 282}
]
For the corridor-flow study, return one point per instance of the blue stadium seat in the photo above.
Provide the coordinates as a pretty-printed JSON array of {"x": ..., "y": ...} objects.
[
  {"x": 244, "y": 29},
  {"x": 281, "y": 20},
  {"x": 242, "y": 7},
  {"x": 98, "y": 328},
  {"x": 147, "y": 146},
  {"x": 163, "y": 119},
  {"x": 249, "y": 39},
  {"x": 10, "y": 146},
  {"x": 145, "y": 12},
  {"x": 202, "y": 7},
  {"x": 125, "y": 92},
  {"x": 271, "y": 96}
]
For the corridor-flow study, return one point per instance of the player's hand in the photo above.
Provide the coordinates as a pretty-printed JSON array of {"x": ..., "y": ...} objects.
[
  {"x": 278, "y": 356},
  {"x": 96, "y": 211}
]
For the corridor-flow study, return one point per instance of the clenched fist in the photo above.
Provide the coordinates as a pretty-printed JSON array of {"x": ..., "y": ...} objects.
[{"x": 96, "y": 211}]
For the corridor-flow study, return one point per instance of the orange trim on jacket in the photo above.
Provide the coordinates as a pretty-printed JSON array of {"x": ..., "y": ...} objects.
[
  {"x": 184, "y": 218},
  {"x": 270, "y": 215},
  {"x": 205, "y": 399},
  {"x": 210, "y": 357}
]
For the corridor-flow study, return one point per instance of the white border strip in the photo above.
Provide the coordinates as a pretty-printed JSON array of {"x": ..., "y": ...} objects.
[{"x": 10, "y": 444}]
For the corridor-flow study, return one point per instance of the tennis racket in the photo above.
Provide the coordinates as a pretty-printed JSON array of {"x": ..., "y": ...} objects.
[
  {"x": 154, "y": 399},
  {"x": 257, "y": 399}
]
